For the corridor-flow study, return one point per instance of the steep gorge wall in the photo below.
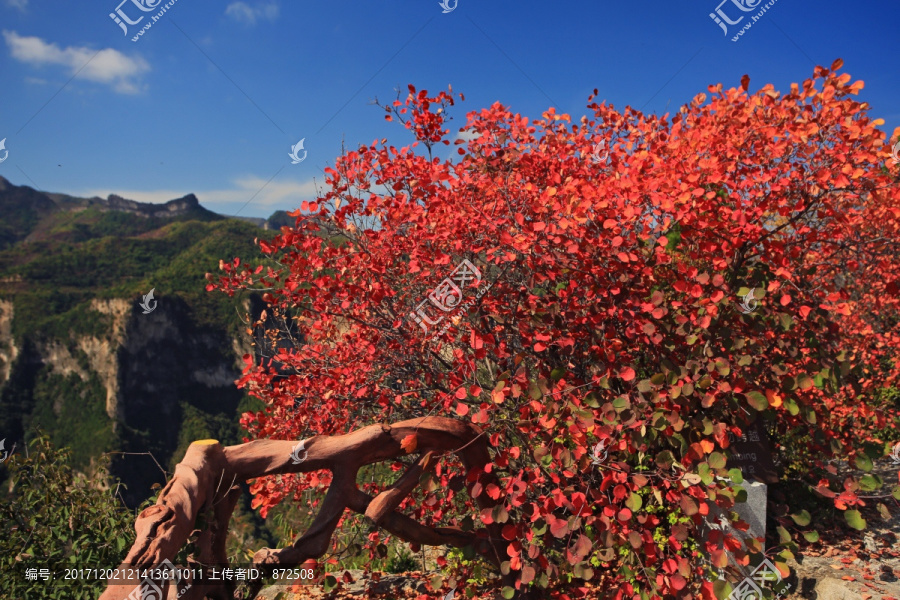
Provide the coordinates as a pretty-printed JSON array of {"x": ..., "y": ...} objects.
[{"x": 149, "y": 384}]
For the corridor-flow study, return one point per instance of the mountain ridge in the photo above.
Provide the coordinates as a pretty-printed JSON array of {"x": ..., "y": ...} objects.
[
  {"x": 23, "y": 207},
  {"x": 80, "y": 359}
]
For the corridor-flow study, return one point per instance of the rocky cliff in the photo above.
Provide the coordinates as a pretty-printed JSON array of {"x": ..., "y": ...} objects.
[{"x": 81, "y": 358}]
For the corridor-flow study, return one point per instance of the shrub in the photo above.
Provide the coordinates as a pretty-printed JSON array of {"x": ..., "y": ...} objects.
[
  {"x": 645, "y": 282},
  {"x": 55, "y": 520}
]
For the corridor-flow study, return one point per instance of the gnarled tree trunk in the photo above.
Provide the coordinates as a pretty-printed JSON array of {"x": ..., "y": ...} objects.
[{"x": 205, "y": 484}]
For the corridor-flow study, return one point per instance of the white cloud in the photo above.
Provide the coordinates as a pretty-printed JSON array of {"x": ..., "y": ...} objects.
[
  {"x": 20, "y": 4},
  {"x": 468, "y": 135},
  {"x": 281, "y": 194},
  {"x": 249, "y": 15},
  {"x": 108, "y": 66}
]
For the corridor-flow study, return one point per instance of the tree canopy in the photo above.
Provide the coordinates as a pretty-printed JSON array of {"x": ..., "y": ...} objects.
[{"x": 607, "y": 300}]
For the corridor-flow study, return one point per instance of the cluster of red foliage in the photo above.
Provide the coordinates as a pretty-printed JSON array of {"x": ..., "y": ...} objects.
[{"x": 613, "y": 314}]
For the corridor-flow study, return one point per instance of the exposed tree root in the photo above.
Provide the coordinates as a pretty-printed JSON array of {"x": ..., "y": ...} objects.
[{"x": 204, "y": 485}]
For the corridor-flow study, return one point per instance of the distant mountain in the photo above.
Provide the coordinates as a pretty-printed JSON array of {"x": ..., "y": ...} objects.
[
  {"x": 24, "y": 208},
  {"x": 83, "y": 360}
]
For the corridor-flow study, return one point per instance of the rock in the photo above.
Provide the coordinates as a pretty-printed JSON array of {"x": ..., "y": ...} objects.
[
  {"x": 834, "y": 589},
  {"x": 272, "y": 592},
  {"x": 753, "y": 511}
]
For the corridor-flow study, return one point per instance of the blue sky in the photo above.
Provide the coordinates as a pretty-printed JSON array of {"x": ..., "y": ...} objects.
[{"x": 212, "y": 97}]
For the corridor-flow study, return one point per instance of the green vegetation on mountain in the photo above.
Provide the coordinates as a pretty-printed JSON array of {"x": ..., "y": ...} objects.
[{"x": 59, "y": 256}]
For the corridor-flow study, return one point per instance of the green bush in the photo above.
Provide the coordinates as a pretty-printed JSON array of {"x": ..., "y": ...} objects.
[
  {"x": 403, "y": 561},
  {"x": 55, "y": 520}
]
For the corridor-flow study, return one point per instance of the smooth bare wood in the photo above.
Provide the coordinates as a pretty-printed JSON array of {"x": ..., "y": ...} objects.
[
  {"x": 205, "y": 483},
  {"x": 388, "y": 500}
]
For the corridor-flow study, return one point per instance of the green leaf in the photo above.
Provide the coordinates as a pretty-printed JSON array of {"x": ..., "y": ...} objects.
[
  {"x": 784, "y": 536},
  {"x": 896, "y": 492},
  {"x": 786, "y": 321},
  {"x": 508, "y": 592},
  {"x": 583, "y": 571},
  {"x": 801, "y": 518},
  {"x": 855, "y": 520},
  {"x": 870, "y": 483},
  {"x": 716, "y": 460},
  {"x": 736, "y": 476},
  {"x": 792, "y": 407},
  {"x": 863, "y": 462},
  {"x": 705, "y": 474},
  {"x": 805, "y": 382},
  {"x": 811, "y": 536},
  {"x": 634, "y": 502},
  {"x": 757, "y": 400},
  {"x": 722, "y": 589},
  {"x": 810, "y": 416},
  {"x": 330, "y": 583}
]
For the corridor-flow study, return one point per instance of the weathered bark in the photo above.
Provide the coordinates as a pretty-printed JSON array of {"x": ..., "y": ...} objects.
[{"x": 205, "y": 484}]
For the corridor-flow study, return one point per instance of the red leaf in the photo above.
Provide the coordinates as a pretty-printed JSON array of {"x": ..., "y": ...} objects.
[
  {"x": 558, "y": 527},
  {"x": 527, "y": 574},
  {"x": 627, "y": 374},
  {"x": 409, "y": 443}
]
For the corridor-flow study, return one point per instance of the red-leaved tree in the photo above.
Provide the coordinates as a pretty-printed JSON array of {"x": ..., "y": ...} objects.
[{"x": 646, "y": 283}]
